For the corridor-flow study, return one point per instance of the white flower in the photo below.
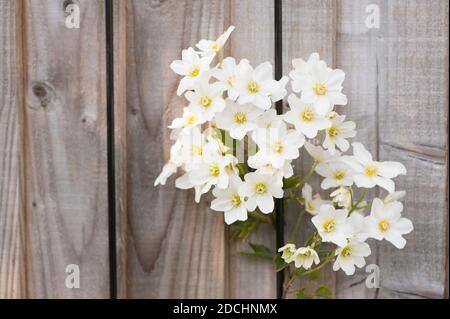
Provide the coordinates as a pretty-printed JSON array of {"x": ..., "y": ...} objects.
[
  {"x": 238, "y": 119},
  {"x": 312, "y": 204},
  {"x": 288, "y": 252},
  {"x": 342, "y": 197},
  {"x": 305, "y": 118},
  {"x": 332, "y": 225},
  {"x": 192, "y": 146},
  {"x": 302, "y": 68},
  {"x": 170, "y": 168},
  {"x": 336, "y": 174},
  {"x": 351, "y": 255},
  {"x": 279, "y": 91},
  {"x": 188, "y": 120},
  {"x": 192, "y": 67},
  {"x": 395, "y": 196},
  {"x": 276, "y": 145},
  {"x": 321, "y": 88},
  {"x": 368, "y": 173},
  {"x": 385, "y": 222},
  {"x": 256, "y": 85},
  {"x": 305, "y": 257},
  {"x": 212, "y": 47},
  {"x": 260, "y": 190},
  {"x": 227, "y": 74},
  {"x": 206, "y": 99},
  {"x": 337, "y": 133},
  {"x": 269, "y": 119},
  {"x": 359, "y": 226},
  {"x": 230, "y": 201}
]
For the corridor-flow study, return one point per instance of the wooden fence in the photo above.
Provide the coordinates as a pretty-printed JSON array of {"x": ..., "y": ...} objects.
[{"x": 53, "y": 142}]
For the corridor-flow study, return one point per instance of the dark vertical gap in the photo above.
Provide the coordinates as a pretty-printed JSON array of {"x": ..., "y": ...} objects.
[
  {"x": 110, "y": 149},
  {"x": 279, "y": 204}
]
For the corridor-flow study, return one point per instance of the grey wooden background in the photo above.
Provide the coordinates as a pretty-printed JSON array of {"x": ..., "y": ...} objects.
[{"x": 53, "y": 178}]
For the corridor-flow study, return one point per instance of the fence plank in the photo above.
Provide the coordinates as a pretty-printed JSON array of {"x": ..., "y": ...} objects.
[
  {"x": 12, "y": 241},
  {"x": 175, "y": 247},
  {"x": 413, "y": 120},
  {"x": 65, "y": 142},
  {"x": 253, "y": 40},
  {"x": 309, "y": 26}
]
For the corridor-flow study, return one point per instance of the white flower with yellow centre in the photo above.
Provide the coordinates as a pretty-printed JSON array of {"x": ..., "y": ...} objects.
[
  {"x": 369, "y": 173},
  {"x": 206, "y": 99},
  {"x": 385, "y": 222},
  {"x": 277, "y": 145},
  {"x": 192, "y": 67},
  {"x": 230, "y": 201},
  {"x": 305, "y": 118},
  {"x": 192, "y": 143},
  {"x": 332, "y": 225},
  {"x": 303, "y": 68},
  {"x": 320, "y": 155},
  {"x": 342, "y": 197},
  {"x": 257, "y": 85},
  {"x": 210, "y": 47},
  {"x": 337, "y": 134},
  {"x": 320, "y": 86},
  {"x": 288, "y": 253},
  {"x": 335, "y": 174},
  {"x": 238, "y": 120},
  {"x": 350, "y": 255},
  {"x": 260, "y": 189},
  {"x": 305, "y": 257},
  {"x": 188, "y": 120},
  {"x": 227, "y": 73},
  {"x": 312, "y": 203}
]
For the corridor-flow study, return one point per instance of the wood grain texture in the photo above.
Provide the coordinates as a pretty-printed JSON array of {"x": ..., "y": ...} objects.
[
  {"x": 308, "y": 26},
  {"x": 65, "y": 143},
  {"x": 176, "y": 248},
  {"x": 12, "y": 235},
  {"x": 253, "y": 39}
]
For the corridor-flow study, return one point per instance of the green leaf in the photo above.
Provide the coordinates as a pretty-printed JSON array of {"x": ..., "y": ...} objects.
[
  {"x": 279, "y": 263},
  {"x": 291, "y": 182},
  {"x": 324, "y": 292},
  {"x": 243, "y": 168},
  {"x": 315, "y": 275},
  {"x": 242, "y": 230},
  {"x": 259, "y": 251},
  {"x": 301, "y": 294}
]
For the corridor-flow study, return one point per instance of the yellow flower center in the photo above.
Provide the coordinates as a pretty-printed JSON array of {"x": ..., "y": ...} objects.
[
  {"x": 310, "y": 205},
  {"x": 260, "y": 188},
  {"x": 306, "y": 254},
  {"x": 215, "y": 46},
  {"x": 236, "y": 200},
  {"x": 320, "y": 89},
  {"x": 307, "y": 115},
  {"x": 194, "y": 72},
  {"x": 278, "y": 147},
  {"x": 240, "y": 117},
  {"x": 253, "y": 87},
  {"x": 230, "y": 81},
  {"x": 329, "y": 226},
  {"x": 339, "y": 174},
  {"x": 346, "y": 251},
  {"x": 214, "y": 170},
  {"x": 196, "y": 150},
  {"x": 371, "y": 170},
  {"x": 384, "y": 225},
  {"x": 333, "y": 131},
  {"x": 205, "y": 101},
  {"x": 191, "y": 120}
]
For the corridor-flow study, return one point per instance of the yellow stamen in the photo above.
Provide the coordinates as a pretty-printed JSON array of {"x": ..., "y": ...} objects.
[
  {"x": 384, "y": 225},
  {"x": 278, "y": 147},
  {"x": 230, "y": 81},
  {"x": 307, "y": 115},
  {"x": 215, "y": 46},
  {"x": 371, "y": 170},
  {"x": 236, "y": 200},
  {"x": 191, "y": 120},
  {"x": 329, "y": 226},
  {"x": 261, "y": 188},
  {"x": 253, "y": 87},
  {"x": 240, "y": 117},
  {"x": 346, "y": 251},
  {"x": 333, "y": 131},
  {"x": 196, "y": 150},
  {"x": 320, "y": 89},
  {"x": 205, "y": 101},
  {"x": 339, "y": 174},
  {"x": 194, "y": 72},
  {"x": 214, "y": 170}
]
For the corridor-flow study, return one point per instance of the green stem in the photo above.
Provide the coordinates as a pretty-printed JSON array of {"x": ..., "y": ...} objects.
[
  {"x": 360, "y": 199},
  {"x": 296, "y": 226},
  {"x": 307, "y": 176},
  {"x": 260, "y": 217},
  {"x": 326, "y": 262}
]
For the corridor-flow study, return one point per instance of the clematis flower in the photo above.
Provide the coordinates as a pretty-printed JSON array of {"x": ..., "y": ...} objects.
[
  {"x": 305, "y": 118},
  {"x": 192, "y": 67},
  {"x": 332, "y": 225},
  {"x": 209, "y": 47},
  {"x": 305, "y": 257},
  {"x": 303, "y": 68},
  {"x": 312, "y": 203},
  {"x": 238, "y": 119},
  {"x": 321, "y": 88},
  {"x": 350, "y": 255},
  {"x": 336, "y": 174},
  {"x": 227, "y": 74},
  {"x": 256, "y": 85},
  {"x": 206, "y": 99},
  {"x": 230, "y": 201},
  {"x": 342, "y": 197},
  {"x": 288, "y": 252},
  {"x": 369, "y": 173},
  {"x": 260, "y": 190},
  {"x": 359, "y": 226},
  {"x": 385, "y": 222},
  {"x": 276, "y": 145},
  {"x": 188, "y": 120},
  {"x": 337, "y": 134}
]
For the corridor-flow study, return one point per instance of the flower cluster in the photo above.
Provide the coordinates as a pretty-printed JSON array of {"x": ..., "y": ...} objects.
[{"x": 229, "y": 114}]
